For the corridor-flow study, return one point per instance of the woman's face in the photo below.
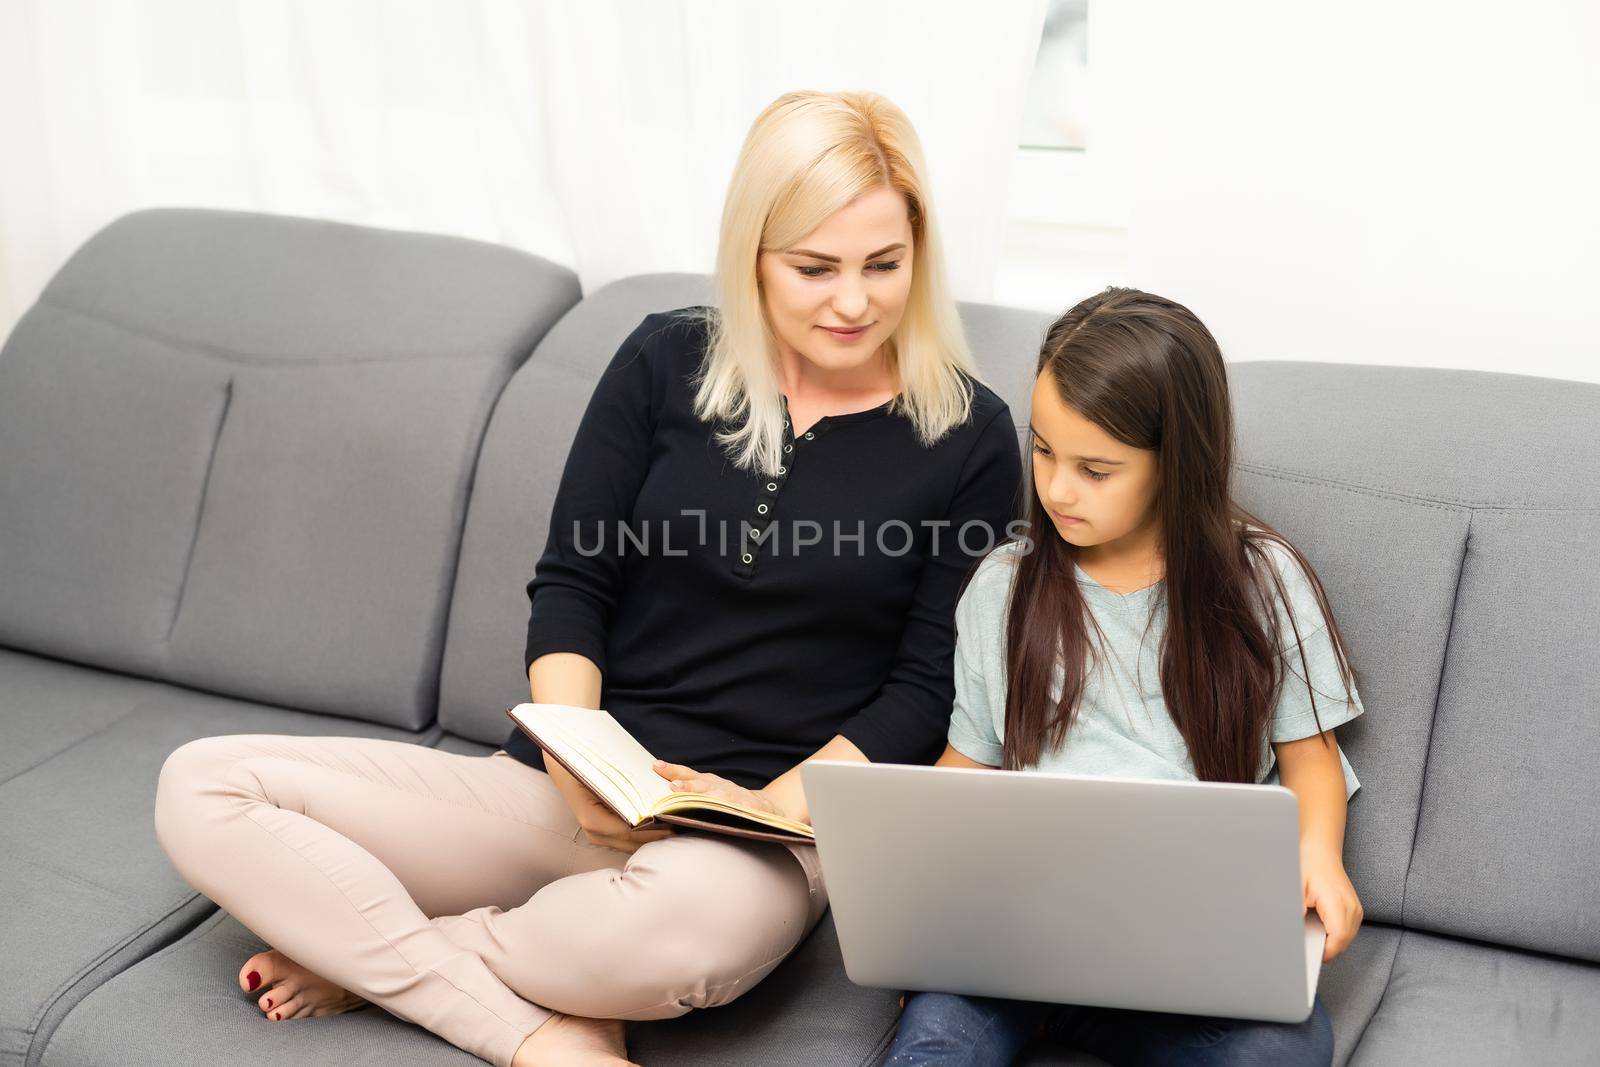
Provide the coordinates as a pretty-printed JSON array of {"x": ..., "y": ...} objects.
[
  {"x": 850, "y": 274},
  {"x": 1083, "y": 473}
]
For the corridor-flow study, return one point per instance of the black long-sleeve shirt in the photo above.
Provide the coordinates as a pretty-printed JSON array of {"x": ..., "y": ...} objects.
[{"x": 740, "y": 652}]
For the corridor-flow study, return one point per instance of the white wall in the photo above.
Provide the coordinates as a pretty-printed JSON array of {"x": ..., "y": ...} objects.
[{"x": 1414, "y": 182}]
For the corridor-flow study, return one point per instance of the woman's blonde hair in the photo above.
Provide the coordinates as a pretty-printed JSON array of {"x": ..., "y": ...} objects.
[{"x": 806, "y": 156}]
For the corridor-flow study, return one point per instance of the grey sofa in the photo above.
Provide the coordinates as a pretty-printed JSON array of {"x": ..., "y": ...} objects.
[{"x": 267, "y": 474}]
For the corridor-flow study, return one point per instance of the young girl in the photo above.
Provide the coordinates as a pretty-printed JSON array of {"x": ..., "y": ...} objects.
[{"x": 1211, "y": 637}]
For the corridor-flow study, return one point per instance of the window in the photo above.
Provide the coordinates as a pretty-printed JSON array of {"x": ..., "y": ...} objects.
[
  {"x": 1066, "y": 234},
  {"x": 1054, "y": 115},
  {"x": 1068, "y": 166}
]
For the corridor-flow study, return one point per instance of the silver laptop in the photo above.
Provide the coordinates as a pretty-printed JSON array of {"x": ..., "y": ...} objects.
[{"x": 1071, "y": 889}]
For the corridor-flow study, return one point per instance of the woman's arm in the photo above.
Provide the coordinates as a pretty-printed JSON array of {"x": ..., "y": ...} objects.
[
  {"x": 1310, "y": 768},
  {"x": 568, "y": 678},
  {"x": 564, "y": 678}
]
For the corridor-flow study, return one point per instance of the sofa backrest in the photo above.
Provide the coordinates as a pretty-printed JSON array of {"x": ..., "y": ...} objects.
[
  {"x": 1454, "y": 516},
  {"x": 235, "y": 451}
]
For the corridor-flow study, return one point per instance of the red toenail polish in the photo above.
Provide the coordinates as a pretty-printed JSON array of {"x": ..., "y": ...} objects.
[
  {"x": 253, "y": 978},
  {"x": 269, "y": 1002},
  {"x": 274, "y": 1015}
]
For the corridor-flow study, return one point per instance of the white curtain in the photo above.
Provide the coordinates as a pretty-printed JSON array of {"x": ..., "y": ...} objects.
[{"x": 597, "y": 133}]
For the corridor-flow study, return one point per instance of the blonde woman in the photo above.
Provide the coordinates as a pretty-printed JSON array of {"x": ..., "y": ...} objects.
[{"x": 753, "y": 560}]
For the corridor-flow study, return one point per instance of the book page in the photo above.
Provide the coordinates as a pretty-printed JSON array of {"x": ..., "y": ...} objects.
[
  {"x": 609, "y": 753},
  {"x": 624, "y": 787}
]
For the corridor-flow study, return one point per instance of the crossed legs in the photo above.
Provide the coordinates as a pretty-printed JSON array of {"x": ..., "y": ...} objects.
[{"x": 459, "y": 893}]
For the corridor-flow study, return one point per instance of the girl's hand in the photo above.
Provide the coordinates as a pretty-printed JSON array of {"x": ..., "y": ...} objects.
[
  {"x": 1327, "y": 888},
  {"x": 687, "y": 780}
]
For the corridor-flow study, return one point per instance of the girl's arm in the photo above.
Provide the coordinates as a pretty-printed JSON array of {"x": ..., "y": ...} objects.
[
  {"x": 1310, "y": 768},
  {"x": 954, "y": 758}
]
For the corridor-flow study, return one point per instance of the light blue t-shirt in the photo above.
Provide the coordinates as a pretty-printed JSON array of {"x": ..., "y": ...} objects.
[{"x": 1122, "y": 727}]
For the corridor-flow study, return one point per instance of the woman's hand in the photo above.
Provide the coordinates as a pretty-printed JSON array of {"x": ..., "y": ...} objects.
[
  {"x": 1327, "y": 888},
  {"x": 601, "y": 825},
  {"x": 687, "y": 780}
]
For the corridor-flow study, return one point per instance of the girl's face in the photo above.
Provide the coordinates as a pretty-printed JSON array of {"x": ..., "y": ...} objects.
[
  {"x": 840, "y": 292},
  {"x": 1095, "y": 489}
]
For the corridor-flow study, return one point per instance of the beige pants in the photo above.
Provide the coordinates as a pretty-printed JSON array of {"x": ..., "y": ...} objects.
[{"x": 459, "y": 893}]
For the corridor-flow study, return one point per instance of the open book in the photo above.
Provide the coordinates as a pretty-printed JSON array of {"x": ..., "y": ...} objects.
[{"x": 597, "y": 751}]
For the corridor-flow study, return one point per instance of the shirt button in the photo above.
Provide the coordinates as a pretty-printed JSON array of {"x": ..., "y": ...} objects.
[
  {"x": 761, "y": 509},
  {"x": 809, "y": 435},
  {"x": 788, "y": 448},
  {"x": 783, "y": 470},
  {"x": 746, "y": 557},
  {"x": 772, "y": 487}
]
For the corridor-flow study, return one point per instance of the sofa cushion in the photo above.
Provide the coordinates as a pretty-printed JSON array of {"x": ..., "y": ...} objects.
[
  {"x": 1503, "y": 828},
  {"x": 1508, "y": 847},
  {"x": 183, "y": 1004},
  {"x": 88, "y": 890},
  {"x": 1455, "y": 1003},
  {"x": 235, "y": 450},
  {"x": 47, "y": 706},
  {"x": 106, "y": 442},
  {"x": 1351, "y": 985},
  {"x": 1497, "y": 842}
]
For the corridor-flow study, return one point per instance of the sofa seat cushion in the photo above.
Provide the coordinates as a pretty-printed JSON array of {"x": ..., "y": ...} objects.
[
  {"x": 88, "y": 890},
  {"x": 47, "y": 706},
  {"x": 184, "y": 1005},
  {"x": 1462, "y": 1003}
]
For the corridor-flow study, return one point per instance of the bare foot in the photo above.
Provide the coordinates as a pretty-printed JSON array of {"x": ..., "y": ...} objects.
[
  {"x": 573, "y": 1040},
  {"x": 290, "y": 991}
]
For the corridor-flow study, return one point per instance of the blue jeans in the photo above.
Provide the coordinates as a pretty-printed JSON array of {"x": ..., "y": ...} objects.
[{"x": 947, "y": 1030}]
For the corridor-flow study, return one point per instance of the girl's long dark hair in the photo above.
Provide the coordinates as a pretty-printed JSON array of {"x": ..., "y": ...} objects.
[{"x": 1148, "y": 372}]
